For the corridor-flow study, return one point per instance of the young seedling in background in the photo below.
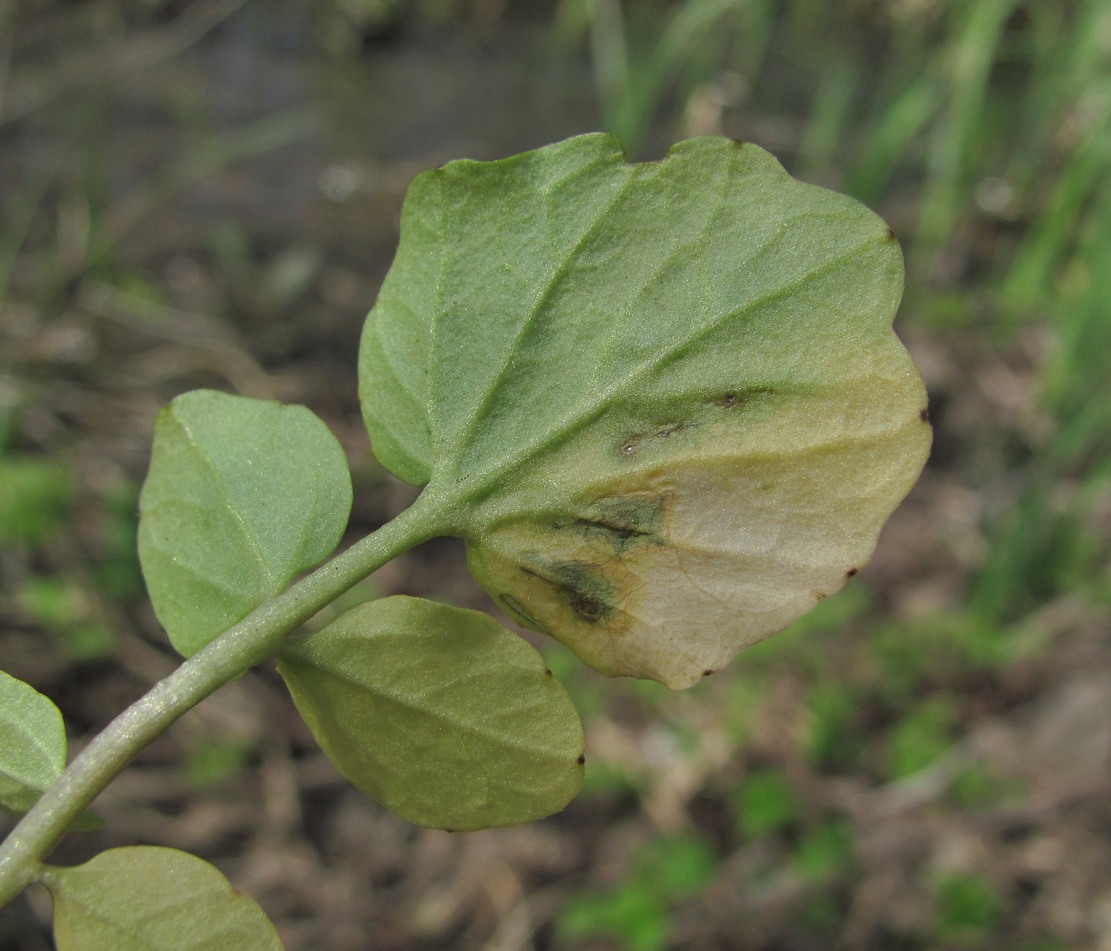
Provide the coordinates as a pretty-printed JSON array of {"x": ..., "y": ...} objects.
[{"x": 663, "y": 405}]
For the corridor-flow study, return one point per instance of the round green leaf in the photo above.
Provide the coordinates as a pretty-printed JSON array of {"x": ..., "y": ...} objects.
[
  {"x": 242, "y": 495},
  {"x": 439, "y": 714},
  {"x": 143, "y": 898},
  {"x": 32, "y": 744},
  {"x": 664, "y": 399}
]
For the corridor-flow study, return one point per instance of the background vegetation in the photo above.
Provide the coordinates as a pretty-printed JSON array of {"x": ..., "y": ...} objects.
[{"x": 206, "y": 194}]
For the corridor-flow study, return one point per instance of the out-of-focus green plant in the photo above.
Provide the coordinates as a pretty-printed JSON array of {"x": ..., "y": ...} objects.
[
  {"x": 38, "y": 500},
  {"x": 61, "y": 606},
  {"x": 213, "y": 761},
  {"x": 824, "y": 851},
  {"x": 765, "y": 803},
  {"x": 36, "y": 497},
  {"x": 920, "y": 737},
  {"x": 968, "y": 907},
  {"x": 647, "y": 54},
  {"x": 834, "y": 738},
  {"x": 1046, "y": 546},
  {"x": 636, "y": 913}
]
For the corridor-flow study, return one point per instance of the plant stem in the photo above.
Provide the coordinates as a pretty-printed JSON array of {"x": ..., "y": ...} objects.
[{"x": 258, "y": 636}]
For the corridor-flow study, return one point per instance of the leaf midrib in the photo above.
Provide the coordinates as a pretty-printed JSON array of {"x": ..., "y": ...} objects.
[
  {"x": 271, "y": 581},
  {"x": 380, "y": 692},
  {"x": 547, "y": 286}
]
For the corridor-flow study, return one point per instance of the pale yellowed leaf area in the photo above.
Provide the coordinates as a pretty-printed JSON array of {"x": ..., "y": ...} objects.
[{"x": 709, "y": 532}]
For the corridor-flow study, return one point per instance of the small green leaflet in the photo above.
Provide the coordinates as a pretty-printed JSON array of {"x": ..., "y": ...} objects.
[
  {"x": 32, "y": 744},
  {"x": 142, "y": 898},
  {"x": 242, "y": 495},
  {"x": 439, "y": 714},
  {"x": 664, "y": 399}
]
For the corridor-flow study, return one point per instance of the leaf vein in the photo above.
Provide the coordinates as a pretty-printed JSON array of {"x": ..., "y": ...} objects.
[
  {"x": 548, "y": 286},
  {"x": 237, "y": 516}
]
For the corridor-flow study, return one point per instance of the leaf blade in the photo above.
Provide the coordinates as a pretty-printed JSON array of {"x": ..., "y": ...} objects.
[
  {"x": 139, "y": 898},
  {"x": 605, "y": 336},
  {"x": 241, "y": 496},
  {"x": 438, "y": 713},
  {"x": 32, "y": 744}
]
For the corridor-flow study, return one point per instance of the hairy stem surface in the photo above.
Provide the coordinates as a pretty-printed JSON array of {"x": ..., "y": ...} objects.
[{"x": 258, "y": 636}]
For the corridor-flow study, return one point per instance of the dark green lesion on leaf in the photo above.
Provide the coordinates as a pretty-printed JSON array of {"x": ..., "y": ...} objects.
[
  {"x": 579, "y": 585},
  {"x": 590, "y": 597},
  {"x": 692, "y": 417},
  {"x": 624, "y": 520},
  {"x": 616, "y": 531},
  {"x": 632, "y": 444},
  {"x": 667, "y": 430},
  {"x": 731, "y": 399}
]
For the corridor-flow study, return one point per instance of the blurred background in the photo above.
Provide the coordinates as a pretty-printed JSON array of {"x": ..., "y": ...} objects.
[{"x": 207, "y": 193}]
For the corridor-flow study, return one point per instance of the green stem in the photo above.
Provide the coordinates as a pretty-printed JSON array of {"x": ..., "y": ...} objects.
[{"x": 256, "y": 637}]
